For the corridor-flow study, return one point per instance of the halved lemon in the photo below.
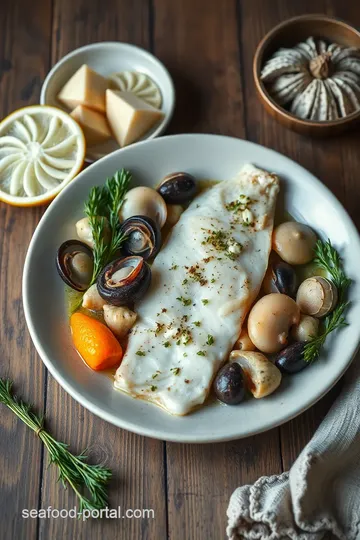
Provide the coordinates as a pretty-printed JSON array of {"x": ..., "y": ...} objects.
[{"x": 41, "y": 150}]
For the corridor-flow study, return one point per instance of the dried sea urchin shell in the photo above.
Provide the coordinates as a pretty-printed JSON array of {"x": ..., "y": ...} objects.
[{"x": 316, "y": 81}]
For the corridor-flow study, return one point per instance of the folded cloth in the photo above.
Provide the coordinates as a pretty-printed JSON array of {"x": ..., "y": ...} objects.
[{"x": 321, "y": 493}]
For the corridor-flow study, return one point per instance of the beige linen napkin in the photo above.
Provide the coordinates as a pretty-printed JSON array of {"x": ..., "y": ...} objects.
[{"x": 320, "y": 494}]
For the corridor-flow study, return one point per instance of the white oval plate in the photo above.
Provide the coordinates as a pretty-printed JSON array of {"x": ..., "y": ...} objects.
[
  {"x": 205, "y": 156},
  {"x": 106, "y": 58}
]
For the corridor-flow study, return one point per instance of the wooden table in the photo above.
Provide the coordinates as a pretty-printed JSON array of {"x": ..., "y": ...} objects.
[{"x": 208, "y": 46}]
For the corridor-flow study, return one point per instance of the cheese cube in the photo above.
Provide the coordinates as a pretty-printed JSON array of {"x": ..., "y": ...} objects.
[
  {"x": 129, "y": 116},
  {"x": 86, "y": 87},
  {"x": 93, "y": 124}
]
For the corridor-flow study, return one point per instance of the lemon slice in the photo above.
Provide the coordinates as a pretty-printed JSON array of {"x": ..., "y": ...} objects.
[
  {"x": 139, "y": 84},
  {"x": 41, "y": 150}
]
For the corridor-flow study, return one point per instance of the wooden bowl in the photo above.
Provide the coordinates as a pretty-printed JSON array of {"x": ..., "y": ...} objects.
[{"x": 287, "y": 34}]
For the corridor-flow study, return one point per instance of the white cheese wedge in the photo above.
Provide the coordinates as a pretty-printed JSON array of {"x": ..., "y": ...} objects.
[
  {"x": 129, "y": 116},
  {"x": 86, "y": 87},
  {"x": 204, "y": 281},
  {"x": 93, "y": 124}
]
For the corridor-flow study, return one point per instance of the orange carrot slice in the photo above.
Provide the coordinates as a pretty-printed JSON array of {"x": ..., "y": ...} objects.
[{"x": 95, "y": 343}]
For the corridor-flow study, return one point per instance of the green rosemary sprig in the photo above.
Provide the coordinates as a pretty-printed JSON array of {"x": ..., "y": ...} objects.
[
  {"x": 328, "y": 258},
  {"x": 102, "y": 208},
  {"x": 335, "y": 320},
  {"x": 117, "y": 187},
  {"x": 73, "y": 470},
  {"x": 100, "y": 248},
  {"x": 97, "y": 203}
]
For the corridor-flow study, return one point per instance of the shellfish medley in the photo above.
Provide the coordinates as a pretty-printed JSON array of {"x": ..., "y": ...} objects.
[{"x": 183, "y": 290}]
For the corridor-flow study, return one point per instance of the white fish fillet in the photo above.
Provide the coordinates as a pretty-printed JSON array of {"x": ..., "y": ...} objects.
[{"x": 170, "y": 360}]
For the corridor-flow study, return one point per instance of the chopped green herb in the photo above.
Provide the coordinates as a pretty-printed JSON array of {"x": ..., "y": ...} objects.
[
  {"x": 185, "y": 301},
  {"x": 153, "y": 388},
  {"x": 174, "y": 267},
  {"x": 159, "y": 328},
  {"x": 205, "y": 301},
  {"x": 239, "y": 205},
  {"x": 167, "y": 344},
  {"x": 201, "y": 353},
  {"x": 213, "y": 280},
  {"x": 140, "y": 353},
  {"x": 155, "y": 375},
  {"x": 185, "y": 355},
  {"x": 197, "y": 323},
  {"x": 185, "y": 281},
  {"x": 178, "y": 342},
  {"x": 210, "y": 340},
  {"x": 175, "y": 370}
]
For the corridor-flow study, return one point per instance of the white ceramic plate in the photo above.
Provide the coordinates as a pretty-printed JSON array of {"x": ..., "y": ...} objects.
[
  {"x": 107, "y": 58},
  {"x": 205, "y": 156}
]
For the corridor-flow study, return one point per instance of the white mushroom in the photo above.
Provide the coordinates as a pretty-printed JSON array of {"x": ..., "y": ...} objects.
[
  {"x": 316, "y": 296},
  {"x": 294, "y": 242},
  {"x": 307, "y": 328},
  {"x": 174, "y": 212},
  {"x": 144, "y": 201},
  {"x": 92, "y": 299},
  {"x": 84, "y": 232},
  {"x": 119, "y": 319},
  {"x": 244, "y": 343},
  {"x": 270, "y": 321},
  {"x": 262, "y": 377}
]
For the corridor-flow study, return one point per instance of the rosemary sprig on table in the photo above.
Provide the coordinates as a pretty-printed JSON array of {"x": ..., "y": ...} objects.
[
  {"x": 73, "y": 470},
  {"x": 327, "y": 258}
]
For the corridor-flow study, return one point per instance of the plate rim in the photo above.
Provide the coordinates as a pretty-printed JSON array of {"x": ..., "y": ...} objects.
[{"x": 144, "y": 430}]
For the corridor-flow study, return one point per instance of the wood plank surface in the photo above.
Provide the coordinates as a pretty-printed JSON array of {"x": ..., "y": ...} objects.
[
  {"x": 24, "y": 61},
  {"x": 208, "y": 46},
  {"x": 137, "y": 462}
]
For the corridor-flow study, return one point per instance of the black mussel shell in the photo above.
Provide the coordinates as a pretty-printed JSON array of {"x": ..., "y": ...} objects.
[
  {"x": 75, "y": 262},
  {"x": 280, "y": 278},
  {"x": 124, "y": 281},
  {"x": 178, "y": 188},
  {"x": 143, "y": 237},
  {"x": 291, "y": 359},
  {"x": 229, "y": 384}
]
